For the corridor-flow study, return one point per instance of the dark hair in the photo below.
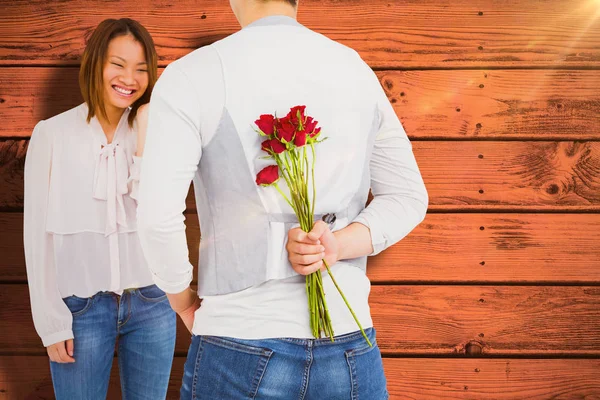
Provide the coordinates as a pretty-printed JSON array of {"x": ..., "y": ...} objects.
[{"x": 94, "y": 57}]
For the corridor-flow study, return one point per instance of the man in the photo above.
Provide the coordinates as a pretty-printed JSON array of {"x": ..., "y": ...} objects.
[{"x": 252, "y": 334}]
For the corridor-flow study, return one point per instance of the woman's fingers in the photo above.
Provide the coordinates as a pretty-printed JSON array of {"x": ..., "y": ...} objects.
[{"x": 58, "y": 353}]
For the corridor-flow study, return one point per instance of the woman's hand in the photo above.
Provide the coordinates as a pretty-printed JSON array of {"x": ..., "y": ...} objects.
[
  {"x": 142, "y": 123},
  {"x": 307, "y": 250},
  {"x": 61, "y": 352},
  {"x": 185, "y": 305}
]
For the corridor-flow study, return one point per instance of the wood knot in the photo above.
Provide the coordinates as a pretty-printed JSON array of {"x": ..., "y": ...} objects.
[
  {"x": 480, "y": 47},
  {"x": 481, "y": 86},
  {"x": 474, "y": 348},
  {"x": 401, "y": 94},
  {"x": 552, "y": 189},
  {"x": 478, "y": 126},
  {"x": 388, "y": 84},
  {"x": 203, "y": 16},
  {"x": 480, "y": 13},
  {"x": 2, "y": 101}
]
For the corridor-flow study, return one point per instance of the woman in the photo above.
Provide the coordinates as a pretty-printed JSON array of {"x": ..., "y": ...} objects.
[{"x": 89, "y": 283}]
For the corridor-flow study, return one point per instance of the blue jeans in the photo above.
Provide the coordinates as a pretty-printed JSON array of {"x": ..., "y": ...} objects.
[
  {"x": 227, "y": 368},
  {"x": 142, "y": 322}
]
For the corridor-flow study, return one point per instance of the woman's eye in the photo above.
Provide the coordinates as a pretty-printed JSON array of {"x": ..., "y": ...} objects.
[
  {"x": 118, "y": 65},
  {"x": 142, "y": 70}
]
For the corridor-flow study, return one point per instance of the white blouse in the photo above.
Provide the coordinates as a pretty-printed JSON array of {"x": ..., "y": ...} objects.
[{"x": 79, "y": 217}]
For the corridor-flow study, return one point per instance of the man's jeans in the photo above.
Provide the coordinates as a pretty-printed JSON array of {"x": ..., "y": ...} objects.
[{"x": 227, "y": 368}]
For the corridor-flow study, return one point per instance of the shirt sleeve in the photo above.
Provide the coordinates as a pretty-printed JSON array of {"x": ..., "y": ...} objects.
[
  {"x": 399, "y": 196},
  {"x": 51, "y": 317},
  {"x": 171, "y": 155}
]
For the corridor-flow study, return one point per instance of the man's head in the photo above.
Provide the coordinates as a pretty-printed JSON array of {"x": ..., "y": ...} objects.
[{"x": 248, "y": 11}]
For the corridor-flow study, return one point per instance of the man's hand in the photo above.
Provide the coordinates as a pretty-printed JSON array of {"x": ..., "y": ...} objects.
[
  {"x": 307, "y": 250},
  {"x": 61, "y": 352}
]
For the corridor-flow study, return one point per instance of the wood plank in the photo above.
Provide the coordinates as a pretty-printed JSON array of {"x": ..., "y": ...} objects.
[
  {"x": 409, "y": 34},
  {"x": 475, "y": 175},
  {"x": 515, "y": 248},
  {"x": 523, "y": 104},
  {"x": 407, "y": 378},
  {"x": 424, "y": 320},
  {"x": 496, "y": 104}
]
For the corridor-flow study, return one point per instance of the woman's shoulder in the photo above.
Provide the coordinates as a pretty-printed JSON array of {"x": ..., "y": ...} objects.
[{"x": 67, "y": 118}]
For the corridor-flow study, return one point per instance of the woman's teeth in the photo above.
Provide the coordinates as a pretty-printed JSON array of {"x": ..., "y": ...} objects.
[{"x": 123, "y": 91}]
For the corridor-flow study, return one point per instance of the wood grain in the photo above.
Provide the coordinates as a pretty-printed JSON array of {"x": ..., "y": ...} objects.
[
  {"x": 28, "y": 378},
  {"x": 498, "y": 176},
  {"x": 408, "y": 34},
  {"x": 445, "y": 248},
  {"x": 424, "y": 320},
  {"x": 512, "y": 104},
  {"x": 496, "y": 104}
]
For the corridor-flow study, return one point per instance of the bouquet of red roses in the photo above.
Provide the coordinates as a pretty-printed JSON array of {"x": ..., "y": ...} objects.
[{"x": 286, "y": 142}]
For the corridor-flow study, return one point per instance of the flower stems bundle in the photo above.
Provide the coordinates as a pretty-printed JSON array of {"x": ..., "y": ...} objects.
[{"x": 287, "y": 141}]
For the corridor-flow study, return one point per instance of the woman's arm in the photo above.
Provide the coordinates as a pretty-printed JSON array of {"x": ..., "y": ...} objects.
[{"x": 51, "y": 317}]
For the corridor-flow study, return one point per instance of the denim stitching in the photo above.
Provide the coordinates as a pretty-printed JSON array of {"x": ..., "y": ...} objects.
[
  {"x": 263, "y": 362},
  {"x": 306, "y": 375},
  {"x": 86, "y": 308},
  {"x": 353, "y": 376},
  {"x": 128, "y": 310},
  {"x": 150, "y": 299},
  {"x": 234, "y": 345},
  {"x": 197, "y": 367}
]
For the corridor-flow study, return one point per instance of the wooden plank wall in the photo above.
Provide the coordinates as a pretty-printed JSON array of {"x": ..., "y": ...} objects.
[{"x": 497, "y": 294}]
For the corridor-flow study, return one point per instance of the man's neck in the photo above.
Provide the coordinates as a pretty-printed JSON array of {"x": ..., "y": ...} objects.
[{"x": 261, "y": 10}]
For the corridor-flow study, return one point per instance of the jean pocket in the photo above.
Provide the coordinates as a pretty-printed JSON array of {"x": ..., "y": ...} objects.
[
  {"x": 366, "y": 373},
  {"x": 78, "y": 305},
  {"x": 152, "y": 293},
  {"x": 228, "y": 369}
]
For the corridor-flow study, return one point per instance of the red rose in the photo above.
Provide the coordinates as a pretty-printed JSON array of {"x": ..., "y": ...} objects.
[
  {"x": 273, "y": 145},
  {"x": 265, "y": 123},
  {"x": 300, "y": 139},
  {"x": 310, "y": 125},
  {"x": 315, "y": 133},
  {"x": 285, "y": 129},
  {"x": 296, "y": 115},
  {"x": 268, "y": 175}
]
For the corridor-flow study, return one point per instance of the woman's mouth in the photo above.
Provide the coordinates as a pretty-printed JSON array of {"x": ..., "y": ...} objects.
[{"x": 124, "y": 92}]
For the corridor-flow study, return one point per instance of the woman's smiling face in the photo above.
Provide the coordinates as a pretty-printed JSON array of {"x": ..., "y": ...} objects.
[{"x": 125, "y": 74}]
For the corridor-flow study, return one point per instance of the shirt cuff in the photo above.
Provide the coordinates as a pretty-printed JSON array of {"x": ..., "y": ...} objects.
[
  {"x": 172, "y": 287},
  {"x": 134, "y": 177},
  {"x": 53, "y": 338},
  {"x": 377, "y": 238}
]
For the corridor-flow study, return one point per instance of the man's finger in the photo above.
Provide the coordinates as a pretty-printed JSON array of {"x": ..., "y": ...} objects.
[
  {"x": 306, "y": 249},
  {"x": 318, "y": 230},
  {"x": 298, "y": 235},
  {"x": 305, "y": 260},
  {"x": 308, "y": 269}
]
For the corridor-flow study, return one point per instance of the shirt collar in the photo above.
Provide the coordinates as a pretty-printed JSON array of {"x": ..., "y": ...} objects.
[{"x": 274, "y": 20}]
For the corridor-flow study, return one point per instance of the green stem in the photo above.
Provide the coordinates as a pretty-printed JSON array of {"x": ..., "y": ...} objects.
[{"x": 347, "y": 304}]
